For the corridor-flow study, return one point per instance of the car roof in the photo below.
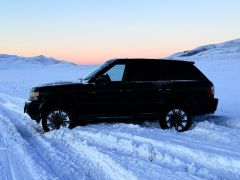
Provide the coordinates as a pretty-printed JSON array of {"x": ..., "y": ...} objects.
[{"x": 137, "y": 60}]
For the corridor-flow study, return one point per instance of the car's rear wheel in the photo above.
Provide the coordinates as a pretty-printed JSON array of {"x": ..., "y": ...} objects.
[
  {"x": 176, "y": 117},
  {"x": 57, "y": 118}
]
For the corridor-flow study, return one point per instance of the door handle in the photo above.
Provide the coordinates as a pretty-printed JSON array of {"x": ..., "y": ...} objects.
[
  {"x": 125, "y": 90},
  {"x": 167, "y": 89}
]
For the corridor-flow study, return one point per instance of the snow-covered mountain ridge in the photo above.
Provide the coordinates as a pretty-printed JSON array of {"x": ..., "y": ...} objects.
[
  {"x": 229, "y": 49},
  {"x": 19, "y": 74},
  {"x": 14, "y": 61}
]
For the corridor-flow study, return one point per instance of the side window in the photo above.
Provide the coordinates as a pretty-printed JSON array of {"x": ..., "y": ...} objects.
[
  {"x": 116, "y": 73},
  {"x": 175, "y": 71},
  {"x": 147, "y": 72}
]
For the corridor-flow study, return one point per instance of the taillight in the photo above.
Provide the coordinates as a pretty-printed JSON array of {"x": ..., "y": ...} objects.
[{"x": 211, "y": 91}]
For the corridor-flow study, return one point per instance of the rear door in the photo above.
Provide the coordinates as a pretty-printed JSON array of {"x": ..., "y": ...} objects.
[
  {"x": 189, "y": 81},
  {"x": 146, "y": 90}
]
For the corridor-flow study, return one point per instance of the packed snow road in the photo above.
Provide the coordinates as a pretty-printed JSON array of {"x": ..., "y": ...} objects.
[{"x": 210, "y": 150}]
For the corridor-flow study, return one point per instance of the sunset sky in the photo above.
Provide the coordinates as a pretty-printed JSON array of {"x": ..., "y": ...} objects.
[{"x": 92, "y": 31}]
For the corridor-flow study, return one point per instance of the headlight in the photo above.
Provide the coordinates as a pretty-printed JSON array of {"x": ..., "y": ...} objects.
[{"x": 34, "y": 95}]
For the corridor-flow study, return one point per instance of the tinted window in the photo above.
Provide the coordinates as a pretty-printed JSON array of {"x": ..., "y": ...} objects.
[
  {"x": 146, "y": 72},
  {"x": 158, "y": 71},
  {"x": 116, "y": 72},
  {"x": 181, "y": 71}
]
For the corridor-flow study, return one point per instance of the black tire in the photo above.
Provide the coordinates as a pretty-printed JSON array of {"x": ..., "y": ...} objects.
[
  {"x": 176, "y": 117},
  {"x": 55, "y": 118}
]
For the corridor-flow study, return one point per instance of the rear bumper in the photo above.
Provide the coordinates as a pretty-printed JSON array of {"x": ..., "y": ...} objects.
[
  {"x": 32, "y": 109},
  {"x": 207, "y": 106}
]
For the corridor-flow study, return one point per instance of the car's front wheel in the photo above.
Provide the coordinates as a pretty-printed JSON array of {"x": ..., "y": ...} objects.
[
  {"x": 57, "y": 118},
  {"x": 177, "y": 118}
]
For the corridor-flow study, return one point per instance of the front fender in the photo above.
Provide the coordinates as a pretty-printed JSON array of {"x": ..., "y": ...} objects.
[{"x": 66, "y": 102}]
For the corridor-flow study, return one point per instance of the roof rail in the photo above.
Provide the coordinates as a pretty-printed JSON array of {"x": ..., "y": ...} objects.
[{"x": 191, "y": 62}]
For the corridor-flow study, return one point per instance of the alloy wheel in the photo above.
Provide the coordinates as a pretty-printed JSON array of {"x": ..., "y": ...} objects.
[
  {"x": 178, "y": 119},
  {"x": 57, "y": 119}
]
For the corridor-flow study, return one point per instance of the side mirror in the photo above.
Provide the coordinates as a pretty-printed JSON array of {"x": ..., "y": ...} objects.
[{"x": 101, "y": 79}]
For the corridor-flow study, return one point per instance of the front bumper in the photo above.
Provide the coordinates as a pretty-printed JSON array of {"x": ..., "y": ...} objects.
[{"x": 32, "y": 109}]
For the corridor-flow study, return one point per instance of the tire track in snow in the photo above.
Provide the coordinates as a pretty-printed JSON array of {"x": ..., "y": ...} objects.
[
  {"x": 101, "y": 161},
  {"x": 141, "y": 151},
  {"x": 21, "y": 161},
  {"x": 135, "y": 163},
  {"x": 64, "y": 156},
  {"x": 5, "y": 164},
  {"x": 58, "y": 162},
  {"x": 193, "y": 156},
  {"x": 52, "y": 158},
  {"x": 209, "y": 155},
  {"x": 147, "y": 169}
]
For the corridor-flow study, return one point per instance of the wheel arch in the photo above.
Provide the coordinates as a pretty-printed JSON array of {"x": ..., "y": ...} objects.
[
  {"x": 68, "y": 104},
  {"x": 185, "y": 102}
]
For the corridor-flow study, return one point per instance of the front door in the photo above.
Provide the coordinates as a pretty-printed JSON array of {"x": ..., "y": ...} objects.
[{"x": 109, "y": 96}]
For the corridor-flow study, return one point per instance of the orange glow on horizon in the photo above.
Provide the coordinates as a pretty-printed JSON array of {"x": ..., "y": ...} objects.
[
  {"x": 98, "y": 57},
  {"x": 97, "y": 54}
]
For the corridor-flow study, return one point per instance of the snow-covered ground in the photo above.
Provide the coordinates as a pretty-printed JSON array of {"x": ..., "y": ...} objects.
[{"x": 209, "y": 150}]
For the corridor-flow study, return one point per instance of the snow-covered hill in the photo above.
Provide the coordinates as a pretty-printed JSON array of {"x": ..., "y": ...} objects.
[
  {"x": 14, "y": 61},
  {"x": 209, "y": 150},
  {"x": 226, "y": 50},
  {"x": 19, "y": 74}
]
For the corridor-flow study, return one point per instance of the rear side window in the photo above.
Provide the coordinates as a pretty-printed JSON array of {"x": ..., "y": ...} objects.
[
  {"x": 161, "y": 71},
  {"x": 146, "y": 72},
  {"x": 181, "y": 71}
]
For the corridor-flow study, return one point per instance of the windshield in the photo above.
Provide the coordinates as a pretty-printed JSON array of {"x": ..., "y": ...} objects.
[{"x": 96, "y": 70}]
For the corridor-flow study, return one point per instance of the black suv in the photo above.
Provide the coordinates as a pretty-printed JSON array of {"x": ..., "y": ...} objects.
[{"x": 170, "y": 91}]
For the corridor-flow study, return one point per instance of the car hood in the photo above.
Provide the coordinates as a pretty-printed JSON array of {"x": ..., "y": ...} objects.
[
  {"x": 59, "y": 86},
  {"x": 60, "y": 83}
]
